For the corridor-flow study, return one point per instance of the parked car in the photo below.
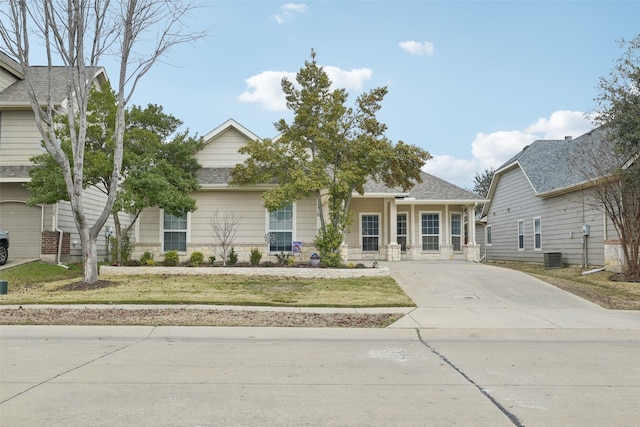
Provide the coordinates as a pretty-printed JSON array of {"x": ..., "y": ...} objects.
[{"x": 4, "y": 246}]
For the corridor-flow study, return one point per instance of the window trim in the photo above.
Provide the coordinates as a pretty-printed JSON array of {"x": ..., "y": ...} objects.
[
  {"x": 268, "y": 231},
  {"x": 378, "y": 236},
  {"x": 451, "y": 235},
  {"x": 537, "y": 243},
  {"x": 521, "y": 239},
  {"x": 187, "y": 232},
  {"x": 406, "y": 225},
  {"x": 488, "y": 237},
  {"x": 439, "y": 213}
]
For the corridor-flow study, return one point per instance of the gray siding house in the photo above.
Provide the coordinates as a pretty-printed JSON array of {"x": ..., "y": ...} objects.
[
  {"x": 36, "y": 230},
  {"x": 542, "y": 209}
]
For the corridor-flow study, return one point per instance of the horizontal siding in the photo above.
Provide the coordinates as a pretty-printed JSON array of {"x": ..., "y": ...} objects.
[
  {"x": 93, "y": 205},
  {"x": 6, "y": 79},
  {"x": 19, "y": 138},
  {"x": 248, "y": 209},
  {"x": 222, "y": 151},
  {"x": 561, "y": 219}
]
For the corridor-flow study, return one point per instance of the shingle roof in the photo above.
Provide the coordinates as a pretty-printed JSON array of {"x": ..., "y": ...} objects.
[
  {"x": 15, "y": 171},
  {"x": 431, "y": 187},
  {"x": 17, "y": 92},
  {"x": 549, "y": 164}
]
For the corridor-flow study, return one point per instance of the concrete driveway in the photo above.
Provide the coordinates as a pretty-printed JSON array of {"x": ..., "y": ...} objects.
[{"x": 469, "y": 295}]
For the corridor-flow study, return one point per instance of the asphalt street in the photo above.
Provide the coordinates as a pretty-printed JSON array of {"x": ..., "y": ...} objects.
[{"x": 485, "y": 347}]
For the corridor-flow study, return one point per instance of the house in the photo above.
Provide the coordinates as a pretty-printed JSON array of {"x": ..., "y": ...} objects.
[
  {"x": 35, "y": 230},
  {"x": 542, "y": 208},
  {"x": 427, "y": 222}
]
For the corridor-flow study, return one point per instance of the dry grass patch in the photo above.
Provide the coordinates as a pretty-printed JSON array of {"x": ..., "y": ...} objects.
[{"x": 597, "y": 287}]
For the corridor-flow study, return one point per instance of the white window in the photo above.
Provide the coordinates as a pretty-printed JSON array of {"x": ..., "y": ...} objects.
[
  {"x": 280, "y": 230},
  {"x": 521, "y": 235},
  {"x": 537, "y": 234},
  {"x": 430, "y": 231},
  {"x": 370, "y": 229},
  {"x": 456, "y": 231},
  {"x": 488, "y": 235},
  {"x": 174, "y": 233},
  {"x": 402, "y": 231}
]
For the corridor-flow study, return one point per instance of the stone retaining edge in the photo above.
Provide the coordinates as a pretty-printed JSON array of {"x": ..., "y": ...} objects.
[{"x": 311, "y": 273}]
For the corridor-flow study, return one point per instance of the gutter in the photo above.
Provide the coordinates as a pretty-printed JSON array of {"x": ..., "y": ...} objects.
[{"x": 60, "y": 236}]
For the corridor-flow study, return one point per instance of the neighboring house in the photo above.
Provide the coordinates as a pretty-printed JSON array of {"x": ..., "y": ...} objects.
[
  {"x": 427, "y": 222},
  {"x": 542, "y": 208},
  {"x": 35, "y": 230}
]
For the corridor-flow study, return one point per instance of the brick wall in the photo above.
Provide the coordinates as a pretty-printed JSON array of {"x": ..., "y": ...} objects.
[{"x": 50, "y": 243}]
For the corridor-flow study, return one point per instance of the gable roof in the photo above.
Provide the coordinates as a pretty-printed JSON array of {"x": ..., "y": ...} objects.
[
  {"x": 230, "y": 123},
  {"x": 16, "y": 95},
  {"x": 548, "y": 165},
  {"x": 431, "y": 188}
]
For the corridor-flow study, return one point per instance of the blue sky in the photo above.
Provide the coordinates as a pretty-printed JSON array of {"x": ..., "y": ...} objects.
[{"x": 472, "y": 82}]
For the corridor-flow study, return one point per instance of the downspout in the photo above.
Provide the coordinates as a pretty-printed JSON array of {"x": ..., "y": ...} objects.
[{"x": 60, "y": 236}]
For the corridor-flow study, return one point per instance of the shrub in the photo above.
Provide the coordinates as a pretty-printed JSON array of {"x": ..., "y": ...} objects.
[
  {"x": 196, "y": 258},
  {"x": 212, "y": 259},
  {"x": 147, "y": 259},
  {"x": 359, "y": 265},
  {"x": 255, "y": 256},
  {"x": 268, "y": 264},
  {"x": 171, "y": 258},
  {"x": 134, "y": 263},
  {"x": 233, "y": 257},
  {"x": 283, "y": 258},
  {"x": 127, "y": 249}
]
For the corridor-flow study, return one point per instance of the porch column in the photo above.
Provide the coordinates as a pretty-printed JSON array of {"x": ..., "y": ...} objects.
[
  {"x": 471, "y": 239},
  {"x": 393, "y": 248}
]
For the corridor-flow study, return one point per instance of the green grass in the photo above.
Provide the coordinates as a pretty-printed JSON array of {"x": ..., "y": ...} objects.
[{"x": 39, "y": 283}]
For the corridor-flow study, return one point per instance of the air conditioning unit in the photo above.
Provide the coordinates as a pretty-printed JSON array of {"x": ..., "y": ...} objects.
[{"x": 553, "y": 260}]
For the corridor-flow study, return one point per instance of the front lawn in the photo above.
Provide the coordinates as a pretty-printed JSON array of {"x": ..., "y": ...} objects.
[{"x": 39, "y": 283}]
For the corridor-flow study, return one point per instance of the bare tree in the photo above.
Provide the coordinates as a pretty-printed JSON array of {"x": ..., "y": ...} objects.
[
  {"x": 79, "y": 33},
  {"x": 225, "y": 228},
  {"x": 614, "y": 170},
  {"x": 613, "y": 182}
]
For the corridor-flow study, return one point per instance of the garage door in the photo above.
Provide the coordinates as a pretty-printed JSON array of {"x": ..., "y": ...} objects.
[{"x": 23, "y": 223}]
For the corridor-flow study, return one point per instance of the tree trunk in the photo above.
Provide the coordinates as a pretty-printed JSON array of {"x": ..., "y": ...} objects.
[{"x": 89, "y": 255}]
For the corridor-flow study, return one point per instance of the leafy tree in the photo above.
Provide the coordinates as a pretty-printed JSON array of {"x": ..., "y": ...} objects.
[
  {"x": 330, "y": 150},
  {"x": 77, "y": 34},
  {"x": 158, "y": 170},
  {"x": 482, "y": 182},
  {"x": 614, "y": 171}
]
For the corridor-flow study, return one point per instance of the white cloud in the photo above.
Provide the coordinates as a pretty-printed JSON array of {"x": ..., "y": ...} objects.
[
  {"x": 455, "y": 171},
  {"x": 560, "y": 122},
  {"x": 266, "y": 89},
  {"x": 417, "y": 48},
  {"x": 492, "y": 150},
  {"x": 289, "y": 11}
]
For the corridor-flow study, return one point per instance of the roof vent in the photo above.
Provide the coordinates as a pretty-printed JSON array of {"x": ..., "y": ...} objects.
[{"x": 568, "y": 138}]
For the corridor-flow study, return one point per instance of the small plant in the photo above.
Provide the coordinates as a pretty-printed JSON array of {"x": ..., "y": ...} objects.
[
  {"x": 283, "y": 258},
  {"x": 147, "y": 259},
  {"x": 196, "y": 258},
  {"x": 212, "y": 259},
  {"x": 171, "y": 258},
  {"x": 255, "y": 256},
  {"x": 351, "y": 265},
  {"x": 360, "y": 265},
  {"x": 233, "y": 257}
]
